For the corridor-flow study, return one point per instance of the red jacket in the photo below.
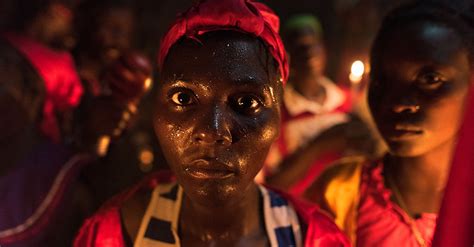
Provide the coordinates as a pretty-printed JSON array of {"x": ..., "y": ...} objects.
[{"x": 105, "y": 229}]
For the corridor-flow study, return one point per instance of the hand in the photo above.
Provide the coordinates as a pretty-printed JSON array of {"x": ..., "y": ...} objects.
[
  {"x": 352, "y": 137},
  {"x": 107, "y": 116},
  {"x": 102, "y": 116},
  {"x": 129, "y": 78}
]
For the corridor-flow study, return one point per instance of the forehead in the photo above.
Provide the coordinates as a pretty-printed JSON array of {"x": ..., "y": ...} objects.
[
  {"x": 303, "y": 36},
  {"x": 117, "y": 14},
  {"x": 237, "y": 58},
  {"x": 422, "y": 43}
]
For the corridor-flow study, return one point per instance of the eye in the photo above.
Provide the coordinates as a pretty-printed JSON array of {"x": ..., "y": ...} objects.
[
  {"x": 182, "y": 98},
  {"x": 247, "y": 104},
  {"x": 430, "y": 81}
]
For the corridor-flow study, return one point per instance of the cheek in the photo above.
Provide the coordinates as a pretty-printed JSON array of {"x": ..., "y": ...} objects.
[
  {"x": 171, "y": 136},
  {"x": 263, "y": 129},
  {"x": 445, "y": 117},
  {"x": 255, "y": 144}
]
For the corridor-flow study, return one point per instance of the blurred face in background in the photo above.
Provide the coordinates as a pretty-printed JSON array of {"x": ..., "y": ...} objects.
[
  {"x": 307, "y": 52},
  {"x": 114, "y": 33},
  {"x": 56, "y": 23}
]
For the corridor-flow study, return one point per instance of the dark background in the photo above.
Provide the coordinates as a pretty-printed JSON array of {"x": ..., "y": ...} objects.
[{"x": 349, "y": 25}]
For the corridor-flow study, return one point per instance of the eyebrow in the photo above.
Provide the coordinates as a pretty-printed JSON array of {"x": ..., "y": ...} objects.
[{"x": 251, "y": 81}]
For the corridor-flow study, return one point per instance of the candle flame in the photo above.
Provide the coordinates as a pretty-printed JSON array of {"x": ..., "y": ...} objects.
[{"x": 357, "y": 71}]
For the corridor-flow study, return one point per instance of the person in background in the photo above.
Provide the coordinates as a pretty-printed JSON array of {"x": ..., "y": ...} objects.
[
  {"x": 422, "y": 69},
  {"x": 217, "y": 114},
  {"x": 48, "y": 132},
  {"x": 317, "y": 121},
  {"x": 105, "y": 31}
]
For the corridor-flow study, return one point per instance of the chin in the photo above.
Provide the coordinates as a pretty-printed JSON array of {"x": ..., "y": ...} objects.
[
  {"x": 403, "y": 149},
  {"x": 214, "y": 194}
]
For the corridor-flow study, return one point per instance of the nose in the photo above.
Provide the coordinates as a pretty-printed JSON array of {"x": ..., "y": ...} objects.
[
  {"x": 406, "y": 107},
  {"x": 401, "y": 98},
  {"x": 214, "y": 128}
]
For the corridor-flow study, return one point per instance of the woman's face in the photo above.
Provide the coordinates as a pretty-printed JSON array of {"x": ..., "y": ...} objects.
[
  {"x": 114, "y": 33},
  {"x": 217, "y": 115},
  {"x": 307, "y": 52},
  {"x": 420, "y": 81}
]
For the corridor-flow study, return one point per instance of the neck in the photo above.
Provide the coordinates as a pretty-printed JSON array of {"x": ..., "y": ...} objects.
[
  {"x": 227, "y": 222},
  {"x": 421, "y": 179},
  {"x": 308, "y": 85}
]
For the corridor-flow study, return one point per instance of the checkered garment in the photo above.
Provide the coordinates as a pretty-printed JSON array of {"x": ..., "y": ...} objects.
[{"x": 159, "y": 227}]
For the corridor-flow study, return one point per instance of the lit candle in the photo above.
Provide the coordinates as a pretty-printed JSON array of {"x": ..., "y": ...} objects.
[{"x": 357, "y": 71}]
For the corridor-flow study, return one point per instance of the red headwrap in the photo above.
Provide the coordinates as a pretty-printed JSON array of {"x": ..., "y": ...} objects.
[
  {"x": 62, "y": 83},
  {"x": 241, "y": 15}
]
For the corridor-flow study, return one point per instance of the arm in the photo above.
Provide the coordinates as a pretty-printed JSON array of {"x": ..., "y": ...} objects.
[
  {"x": 295, "y": 165},
  {"x": 110, "y": 113},
  {"x": 352, "y": 137}
]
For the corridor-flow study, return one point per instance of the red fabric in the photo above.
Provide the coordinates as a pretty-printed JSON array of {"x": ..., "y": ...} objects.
[
  {"x": 318, "y": 165},
  {"x": 241, "y": 15},
  {"x": 327, "y": 158},
  {"x": 62, "y": 83},
  {"x": 104, "y": 228},
  {"x": 349, "y": 101},
  {"x": 381, "y": 222},
  {"x": 322, "y": 231},
  {"x": 313, "y": 172},
  {"x": 456, "y": 217}
]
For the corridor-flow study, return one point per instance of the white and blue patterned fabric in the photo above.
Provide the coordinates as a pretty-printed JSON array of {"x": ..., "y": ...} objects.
[{"x": 159, "y": 227}]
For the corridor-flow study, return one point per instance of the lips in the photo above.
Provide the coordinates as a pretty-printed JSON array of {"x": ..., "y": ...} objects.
[
  {"x": 205, "y": 168},
  {"x": 400, "y": 132}
]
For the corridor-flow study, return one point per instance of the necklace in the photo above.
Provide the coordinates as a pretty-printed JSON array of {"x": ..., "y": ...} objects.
[{"x": 399, "y": 199}]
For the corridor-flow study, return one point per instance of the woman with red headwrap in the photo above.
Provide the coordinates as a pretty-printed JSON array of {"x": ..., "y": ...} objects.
[{"x": 223, "y": 66}]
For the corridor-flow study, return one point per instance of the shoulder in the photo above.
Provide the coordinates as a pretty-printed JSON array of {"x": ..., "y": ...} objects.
[
  {"x": 321, "y": 230},
  {"x": 344, "y": 172},
  {"x": 105, "y": 227},
  {"x": 102, "y": 229},
  {"x": 337, "y": 191}
]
